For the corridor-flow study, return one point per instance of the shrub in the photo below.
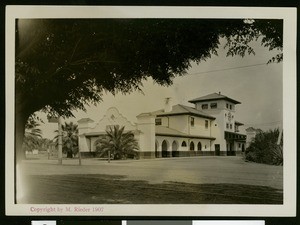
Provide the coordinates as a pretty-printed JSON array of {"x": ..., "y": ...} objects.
[
  {"x": 120, "y": 144},
  {"x": 264, "y": 148}
]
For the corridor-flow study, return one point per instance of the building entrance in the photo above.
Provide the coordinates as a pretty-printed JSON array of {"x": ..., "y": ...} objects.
[
  {"x": 164, "y": 149},
  {"x": 175, "y": 149},
  {"x": 217, "y": 149}
]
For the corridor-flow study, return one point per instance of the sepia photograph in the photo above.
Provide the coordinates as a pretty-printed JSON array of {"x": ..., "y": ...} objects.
[{"x": 116, "y": 112}]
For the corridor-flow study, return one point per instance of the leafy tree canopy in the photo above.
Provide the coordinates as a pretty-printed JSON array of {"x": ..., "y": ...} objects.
[{"x": 63, "y": 64}]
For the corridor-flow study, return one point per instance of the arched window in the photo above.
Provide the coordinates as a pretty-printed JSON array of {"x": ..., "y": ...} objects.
[
  {"x": 192, "y": 146},
  {"x": 174, "y": 146},
  {"x": 199, "y": 146},
  {"x": 183, "y": 144}
]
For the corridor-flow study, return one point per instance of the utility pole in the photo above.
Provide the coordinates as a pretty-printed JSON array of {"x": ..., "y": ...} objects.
[
  {"x": 279, "y": 137},
  {"x": 58, "y": 121},
  {"x": 59, "y": 141},
  {"x": 79, "y": 157}
]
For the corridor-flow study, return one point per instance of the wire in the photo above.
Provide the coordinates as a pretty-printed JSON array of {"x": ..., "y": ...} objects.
[
  {"x": 231, "y": 68},
  {"x": 261, "y": 124}
]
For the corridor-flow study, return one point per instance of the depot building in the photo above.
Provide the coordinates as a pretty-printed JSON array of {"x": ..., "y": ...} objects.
[{"x": 208, "y": 128}]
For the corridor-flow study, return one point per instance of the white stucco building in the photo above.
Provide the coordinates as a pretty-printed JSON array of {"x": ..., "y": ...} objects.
[
  {"x": 208, "y": 128},
  {"x": 251, "y": 133}
]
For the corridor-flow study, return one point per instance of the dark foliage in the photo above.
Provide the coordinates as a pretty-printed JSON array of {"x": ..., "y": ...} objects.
[
  {"x": 69, "y": 139},
  {"x": 264, "y": 148},
  {"x": 62, "y": 64},
  {"x": 120, "y": 144}
]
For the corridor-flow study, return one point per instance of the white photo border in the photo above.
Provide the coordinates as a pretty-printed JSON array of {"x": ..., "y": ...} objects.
[{"x": 289, "y": 106}]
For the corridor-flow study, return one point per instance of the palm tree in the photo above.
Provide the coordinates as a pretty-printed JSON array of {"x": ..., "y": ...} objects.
[
  {"x": 264, "y": 148},
  {"x": 120, "y": 144},
  {"x": 69, "y": 139},
  {"x": 32, "y": 135}
]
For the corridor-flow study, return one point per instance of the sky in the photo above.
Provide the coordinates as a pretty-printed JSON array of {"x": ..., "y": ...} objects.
[{"x": 249, "y": 80}]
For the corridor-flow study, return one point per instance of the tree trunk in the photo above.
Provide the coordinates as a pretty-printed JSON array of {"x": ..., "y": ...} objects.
[
  {"x": 20, "y": 121},
  {"x": 19, "y": 136},
  {"x": 19, "y": 155}
]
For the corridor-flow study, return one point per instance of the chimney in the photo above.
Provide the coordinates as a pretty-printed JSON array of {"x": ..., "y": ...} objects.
[
  {"x": 219, "y": 92},
  {"x": 168, "y": 106}
]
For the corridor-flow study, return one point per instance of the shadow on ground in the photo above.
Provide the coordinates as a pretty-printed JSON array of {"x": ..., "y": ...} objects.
[{"x": 109, "y": 189}]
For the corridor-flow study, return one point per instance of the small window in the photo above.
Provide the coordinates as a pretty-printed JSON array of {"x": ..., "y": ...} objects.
[
  {"x": 225, "y": 114},
  {"x": 227, "y": 105},
  {"x": 213, "y": 105},
  {"x": 227, "y": 125},
  {"x": 204, "y": 106},
  {"x": 239, "y": 145},
  {"x": 192, "y": 146},
  {"x": 206, "y": 124},
  {"x": 230, "y": 106},
  {"x": 158, "y": 121},
  {"x": 183, "y": 144},
  {"x": 192, "y": 121},
  {"x": 230, "y": 126}
]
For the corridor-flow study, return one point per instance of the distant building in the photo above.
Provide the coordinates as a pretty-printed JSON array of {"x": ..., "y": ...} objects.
[
  {"x": 209, "y": 128},
  {"x": 251, "y": 133}
]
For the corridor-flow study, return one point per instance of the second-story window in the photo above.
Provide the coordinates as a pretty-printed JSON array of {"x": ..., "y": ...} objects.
[
  {"x": 213, "y": 105},
  {"x": 230, "y": 106},
  {"x": 192, "y": 121},
  {"x": 230, "y": 126},
  {"x": 206, "y": 124},
  {"x": 236, "y": 128},
  {"x": 227, "y": 125},
  {"x": 204, "y": 106},
  {"x": 158, "y": 121}
]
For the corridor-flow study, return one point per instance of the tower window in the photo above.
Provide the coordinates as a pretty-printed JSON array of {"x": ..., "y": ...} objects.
[
  {"x": 213, "y": 105},
  {"x": 183, "y": 144},
  {"x": 192, "y": 121},
  {"x": 206, "y": 124}
]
